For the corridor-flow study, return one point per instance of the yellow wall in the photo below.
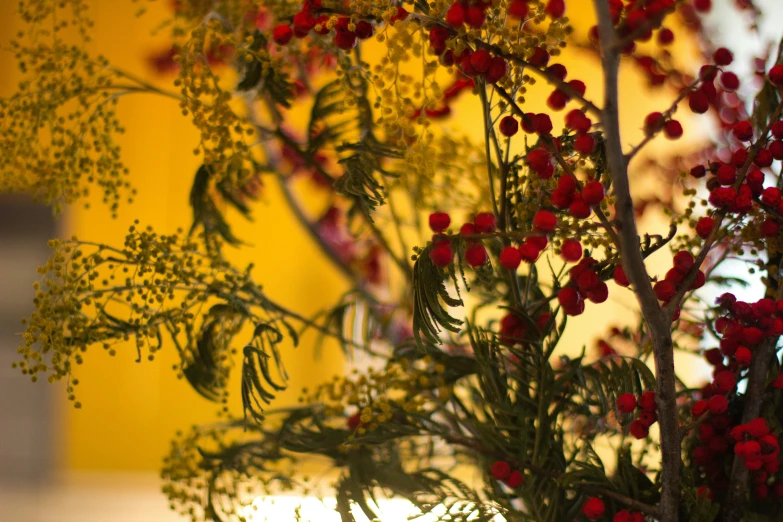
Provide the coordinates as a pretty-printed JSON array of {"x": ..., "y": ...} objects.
[{"x": 131, "y": 411}]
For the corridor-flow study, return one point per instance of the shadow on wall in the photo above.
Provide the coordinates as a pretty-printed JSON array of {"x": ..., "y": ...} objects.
[{"x": 27, "y": 430}]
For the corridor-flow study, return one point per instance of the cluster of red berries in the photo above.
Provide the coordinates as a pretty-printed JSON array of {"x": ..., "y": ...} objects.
[
  {"x": 628, "y": 516},
  {"x": 638, "y": 18},
  {"x": 756, "y": 446},
  {"x": 475, "y": 254},
  {"x": 584, "y": 283},
  {"x": 742, "y": 328},
  {"x": 655, "y": 121},
  {"x": 627, "y": 403},
  {"x": 666, "y": 288},
  {"x": 753, "y": 442},
  {"x": 308, "y": 20},
  {"x": 725, "y": 194},
  {"x": 578, "y": 202},
  {"x": 501, "y": 470},
  {"x": 514, "y": 330}
]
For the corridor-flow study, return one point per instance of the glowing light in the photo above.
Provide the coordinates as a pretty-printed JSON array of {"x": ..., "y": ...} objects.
[{"x": 311, "y": 509}]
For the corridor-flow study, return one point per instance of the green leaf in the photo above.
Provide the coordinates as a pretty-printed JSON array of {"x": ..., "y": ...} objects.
[
  {"x": 257, "y": 377},
  {"x": 260, "y": 74},
  {"x": 429, "y": 288}
]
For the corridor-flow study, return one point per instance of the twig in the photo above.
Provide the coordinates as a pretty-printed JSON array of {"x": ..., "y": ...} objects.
[
  {"x": 658, "y": 324},
  {"x": 476, "y": 446}
]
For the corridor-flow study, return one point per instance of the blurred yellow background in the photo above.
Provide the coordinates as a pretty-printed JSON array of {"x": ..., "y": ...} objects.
[{"x": 131, "y": 411}]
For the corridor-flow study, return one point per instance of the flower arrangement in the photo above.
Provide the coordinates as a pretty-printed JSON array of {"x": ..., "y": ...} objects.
[{"x": 466, "y": 260}]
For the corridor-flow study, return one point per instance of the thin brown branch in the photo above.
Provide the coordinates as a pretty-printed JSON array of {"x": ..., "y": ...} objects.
[
  {"x": 476, "y": 446},
  {"x": 658, "y": 324}
]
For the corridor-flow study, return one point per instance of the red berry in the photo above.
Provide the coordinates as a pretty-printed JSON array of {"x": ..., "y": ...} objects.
[
  {"x": 724, "y": 381},
  {"x": 481, "y": 60},
  {"x": 529, "y": 252},
  {"x": 508, "y": 126},
  {"x": 698, "y": 102},
  {"x": 763, "y": 158},
  {"x": 729, "y": 81},
  {"x": 475, "y": 16},
  {"x": 653, "y": 122},
  {"x": 439, "y": 221},
  {"x": 622, "y": 516},
  {"x": 518, "y": 9},
  {"x": 441, "y": 254},
  {"x": 698, "y": 408},
  {"x": 743, "y": 356},
  {"x": 542, "y": 124},
  {"x": 354, "y": 421},
  {"x": 593, "y": 192},
  {"x": 723, "y": 57},
  {"x": 578, "y": 86},
  {"x": 558, "y": 70},
  {"x": 571, "y": 250},
  {"x": 639, "y": 429},
  {"x": 485, "y": 222},
  {"x": 515, "y": 479},
  {"x": 672, "y": 129},
  {"x": 540, "y": 161},
  {"x": 620, "y": 278},
  {"x": 726, "y": 174},
  {"x": 626, "y": 402},
  {"x": 647, "y": 401},
  {"x": 664, "y": 290},
  {"x": 497, "y": 70},
  {"x": 593, "y": 508},
  {"x": 455, "y": 16},
  {"x": 475, "y": 255},
  {"x": 557, "y": 100},
  {"x": 544, "y": 221},
  {"x": 598, "y": 293},
  {"x": 702, "y": 6},
  {"x": 584, "y": 144},
  {"x": 539, "y": 58},
  {"x": 510, "y": 258},
  {"x": 401, "y": 14},
  {"x": 500, "y": 469},
  {"x": 683, "y": 261},
  {"x": 699, "y": 171},
  {"x": 364, "y": 29},
  {"x": 568, "y": 297},
  {"x": 776, "y": 75},
  {"x": 345, "y": 40},
  {"x": 704, "y": 226},
  {"x": 648, "y": 418},
  {"x": 718, "y": 404},
  {"x": 758, "y": 428},
  {"x": 578, "y": 207},
  {"x": 665, "y": 36},
  {"x": 743, "y": 130},
  {"x": 555, "y": 9},
  {"x": 577, "y": 121},
  {"x": 303, "y": 23},
  {"x": 282, "y": 34},
  {"x": 769, "y": 228}
]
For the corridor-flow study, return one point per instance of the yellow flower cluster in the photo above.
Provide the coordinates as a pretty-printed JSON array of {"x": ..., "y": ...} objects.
[
  {"x": 58, "y": 130},
  {"x": 156, "y": 286}
]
